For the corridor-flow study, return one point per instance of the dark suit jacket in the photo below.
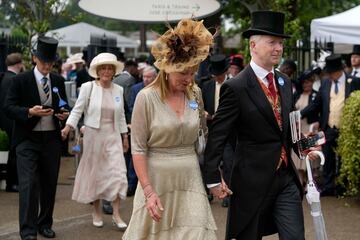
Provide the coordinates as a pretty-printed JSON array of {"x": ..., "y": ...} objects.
[
  {"x": 321, "y": 104},
  {"x": 5, "y": 122},
  {"x": 208, "y": 95},
  {"x": 135, "y": 89},
  {"x": 245, "y": 110},
  {"x": 24, "y": 94},
  {"x": 313, "y": 117}
]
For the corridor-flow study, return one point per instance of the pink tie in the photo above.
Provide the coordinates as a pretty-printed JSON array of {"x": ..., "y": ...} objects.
[{"x": 270, "y": 78}]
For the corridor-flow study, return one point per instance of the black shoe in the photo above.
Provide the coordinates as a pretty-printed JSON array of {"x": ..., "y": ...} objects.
[
  {"x": 225, "y": 202},
  {"x": 130, "y": 192},
  {"x": 30, "y": 237},
  {"x": 47, "y": 232},
  {"x": 12, "y": 188},
  {"x": 107, "y": 208}
]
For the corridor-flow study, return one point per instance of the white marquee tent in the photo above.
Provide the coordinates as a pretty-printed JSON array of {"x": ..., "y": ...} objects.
[
  {"x": 77, "y": 36},
  {"x": 342, "y": 28}
]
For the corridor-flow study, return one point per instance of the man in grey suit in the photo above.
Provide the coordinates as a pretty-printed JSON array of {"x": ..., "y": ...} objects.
[{"x": 128, "y": 78}]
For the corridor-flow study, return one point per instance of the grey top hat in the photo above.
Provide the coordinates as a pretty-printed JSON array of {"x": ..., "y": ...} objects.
[
  {"x": 46, "y": 49},
  {"x": 266, "y": 23}
]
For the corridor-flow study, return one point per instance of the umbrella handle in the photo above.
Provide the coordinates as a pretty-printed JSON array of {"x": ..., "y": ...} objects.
[{"x": 308, "y": 165}]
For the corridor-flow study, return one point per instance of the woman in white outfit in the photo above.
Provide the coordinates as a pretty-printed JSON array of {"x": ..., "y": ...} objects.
[{"x": 102, "y": 171}]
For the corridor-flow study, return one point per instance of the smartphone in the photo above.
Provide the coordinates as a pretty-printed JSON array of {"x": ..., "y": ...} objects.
[
  {"x": 46, "y": 107},
  {"x": 312, "y": 141},
  {"x": 63, "y": 110}
]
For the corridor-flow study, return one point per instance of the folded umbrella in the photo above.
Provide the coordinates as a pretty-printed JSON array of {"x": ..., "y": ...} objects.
[{"x": 313, "y": 198}]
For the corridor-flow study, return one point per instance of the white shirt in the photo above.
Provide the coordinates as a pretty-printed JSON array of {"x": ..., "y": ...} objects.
[
  {"x": 357, "y": 70},
  {"x": 261, "y": 73}
]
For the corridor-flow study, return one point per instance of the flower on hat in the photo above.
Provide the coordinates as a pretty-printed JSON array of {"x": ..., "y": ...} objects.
[{"x": 184, "y": 46}]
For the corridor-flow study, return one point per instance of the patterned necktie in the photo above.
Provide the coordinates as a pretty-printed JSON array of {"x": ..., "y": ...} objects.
[
  {"x": 45, "y": 85},
  {"x": 270, "y": 78},
  {"x": 336, "y": 86}
]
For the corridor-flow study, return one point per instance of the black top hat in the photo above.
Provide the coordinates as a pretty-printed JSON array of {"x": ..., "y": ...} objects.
[
  {"x": 333, "y": 63},
  {"x": 46, "y": 49},
  {"x": 266, "y": 23},
  {"x": 356, "y": 50},
  {"x": 218, "y": 64}
]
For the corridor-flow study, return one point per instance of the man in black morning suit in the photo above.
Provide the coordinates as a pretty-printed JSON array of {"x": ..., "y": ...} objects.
[
  {"x": 329, "y": 103},
  {"x": 210, "y": 90},
  {"x": 255, "y": 105},
  {"x": 37, "y": 138},
  {"x": 14, "y": 65}
]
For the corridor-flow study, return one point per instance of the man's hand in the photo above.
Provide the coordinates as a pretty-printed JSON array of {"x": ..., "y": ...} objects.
[
  {"x": 39, "y": 111},
  {"x": 313, "y": 156},
  {"x": 62, "y": 116},
  {"x": 219, "y": 191}
]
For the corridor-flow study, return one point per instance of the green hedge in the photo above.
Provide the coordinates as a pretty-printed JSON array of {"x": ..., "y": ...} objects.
[
  {"x": 349, "y": 146},
  {"x": 4, "y": 141}
]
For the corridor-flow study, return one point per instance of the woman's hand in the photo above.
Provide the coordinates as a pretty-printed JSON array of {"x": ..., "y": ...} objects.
[
  {"x": 153, "y": 203},
  {"x": 125, "y": 142},
  {"x": 65, "y": 132},
  {"x": 154, "y": 207}
]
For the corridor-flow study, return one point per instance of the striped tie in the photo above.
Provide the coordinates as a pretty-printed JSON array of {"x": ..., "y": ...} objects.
[{"x": 45, "y": 87}]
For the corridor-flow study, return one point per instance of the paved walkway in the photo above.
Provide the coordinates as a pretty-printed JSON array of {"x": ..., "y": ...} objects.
[{"x": 73, "y": 220}]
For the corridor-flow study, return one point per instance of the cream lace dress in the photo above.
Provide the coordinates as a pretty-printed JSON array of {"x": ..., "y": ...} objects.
[{"x": 174, "y": 172}]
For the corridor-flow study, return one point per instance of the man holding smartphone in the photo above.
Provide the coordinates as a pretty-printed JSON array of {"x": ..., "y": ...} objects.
[{"x": 33, "y": 103}]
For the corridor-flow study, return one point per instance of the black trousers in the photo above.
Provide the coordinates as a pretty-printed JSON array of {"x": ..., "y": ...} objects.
[
  {"x": 331, "y": 163},
  {"x": 38, "y": 160},
  {"x": 281, "y": 209},
  {"x": 11, "y": 169}
]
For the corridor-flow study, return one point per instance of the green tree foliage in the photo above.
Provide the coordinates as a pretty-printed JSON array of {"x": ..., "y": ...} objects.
[
  {"x": 32, "y": 17},
  {"x": 349, "y": 145},
  {"x": 4, "y": 141},
  {"x": 299, "y": 13}
]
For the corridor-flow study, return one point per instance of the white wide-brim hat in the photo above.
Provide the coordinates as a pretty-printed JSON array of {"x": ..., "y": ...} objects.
[
  {"x": 104, "y": 59},
  {"x": 76, "y": 58}
]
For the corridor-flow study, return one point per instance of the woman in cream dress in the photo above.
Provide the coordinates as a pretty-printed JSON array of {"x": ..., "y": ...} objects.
[
  {"x": 308, "y": 125},
  {"x": 171, "y": 202},
  {"x": 102, "y": 171}
]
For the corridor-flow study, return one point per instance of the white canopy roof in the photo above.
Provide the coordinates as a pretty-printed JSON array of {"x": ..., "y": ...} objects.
[
  {"x": 78, "y": 35},
  {"x": 339, "y": 28}
]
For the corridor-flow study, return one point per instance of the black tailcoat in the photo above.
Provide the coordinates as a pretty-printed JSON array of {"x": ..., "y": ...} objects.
[{"x": 245, "y": 109}]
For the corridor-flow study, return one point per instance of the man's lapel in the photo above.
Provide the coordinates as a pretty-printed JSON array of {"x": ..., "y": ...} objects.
[
  {"x": 259, "y": 98},
  {"x": 54, "y": 95},
  {"x": 33, "y": 89},
  {"x": 285, "y": 97}
]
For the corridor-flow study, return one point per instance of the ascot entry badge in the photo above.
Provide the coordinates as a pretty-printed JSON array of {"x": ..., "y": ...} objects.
[
  {"x": 193, "y": 105},
  {"x": 281, "y": 81}
]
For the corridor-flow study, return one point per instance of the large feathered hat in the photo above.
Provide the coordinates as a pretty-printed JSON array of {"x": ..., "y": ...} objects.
[{"x": 182, "y": 47}]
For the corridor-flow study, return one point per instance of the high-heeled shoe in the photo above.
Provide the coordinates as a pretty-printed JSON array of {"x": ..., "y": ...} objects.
[
  {"x": 120, "y": 225},
  {"x": 97, "y": 224}
]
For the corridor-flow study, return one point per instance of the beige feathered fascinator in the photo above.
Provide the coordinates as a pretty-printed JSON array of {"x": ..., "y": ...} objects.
[{"x": 184, "y": 46}]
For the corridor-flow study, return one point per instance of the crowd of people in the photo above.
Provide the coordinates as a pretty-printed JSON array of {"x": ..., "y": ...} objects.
[{"x": 140, "y": 122}]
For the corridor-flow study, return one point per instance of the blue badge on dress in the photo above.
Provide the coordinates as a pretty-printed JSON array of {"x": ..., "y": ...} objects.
[
  {"x": 117, "y": 99},
  {"x": 193, "y": 105},
  {"x": 281, "y": 81},
  {"x": 55, "y": 90}
]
